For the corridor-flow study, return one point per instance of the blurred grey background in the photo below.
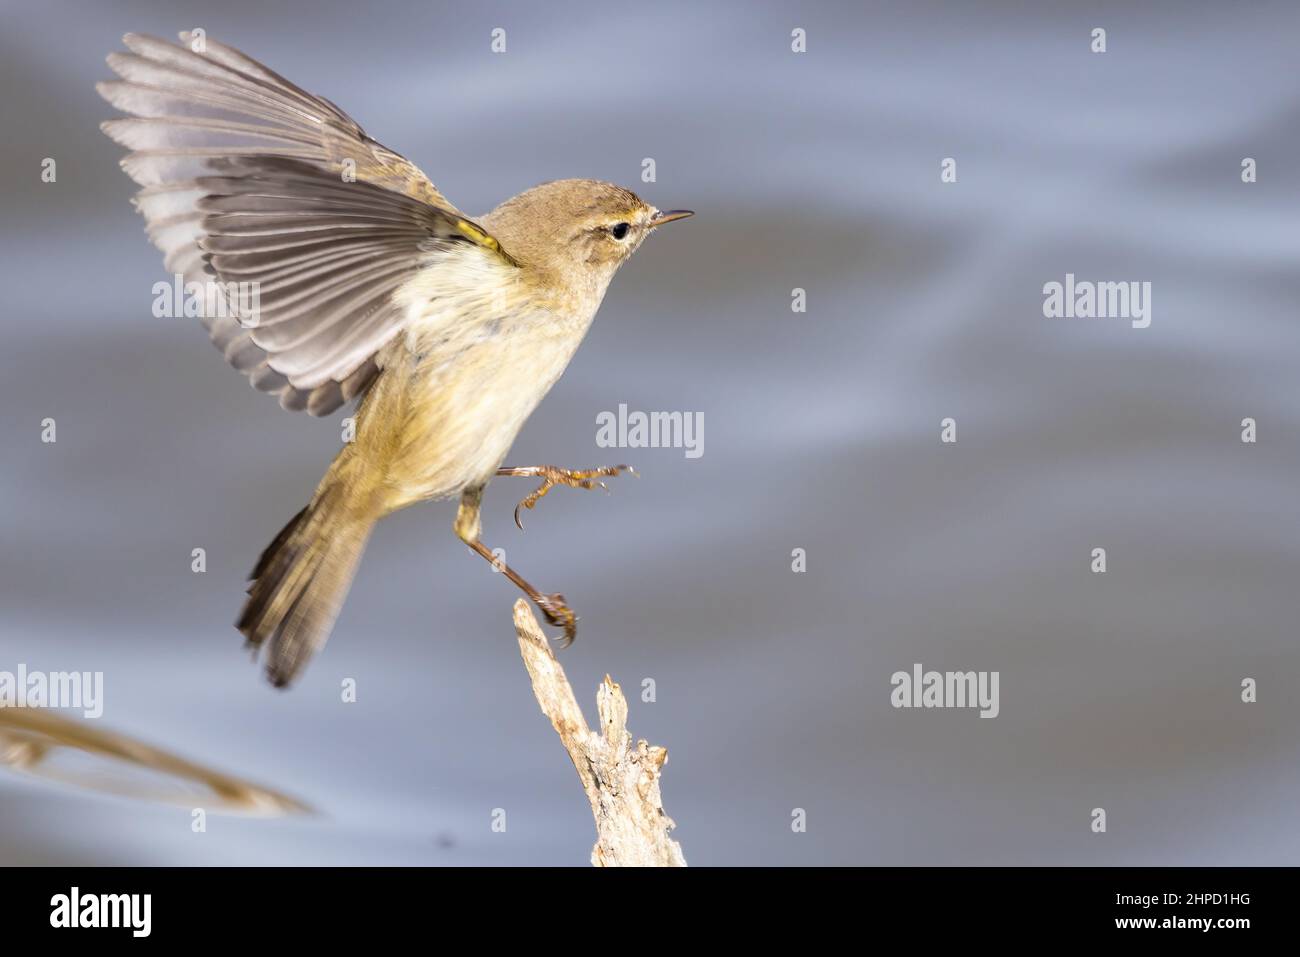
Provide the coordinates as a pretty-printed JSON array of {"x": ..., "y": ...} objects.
[{"x": 821, "y": 431}]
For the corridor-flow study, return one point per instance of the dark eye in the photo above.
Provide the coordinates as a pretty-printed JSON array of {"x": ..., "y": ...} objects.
[{"x": 619, "y": 230}]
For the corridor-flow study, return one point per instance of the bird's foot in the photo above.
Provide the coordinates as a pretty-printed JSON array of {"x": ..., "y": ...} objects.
[
  {"x": 552, "y": 476},
  {"x": 559, "y": 614}
]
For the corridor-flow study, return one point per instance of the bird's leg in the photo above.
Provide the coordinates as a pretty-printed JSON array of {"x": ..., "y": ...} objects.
[
  {"x": 468, "y": 528},
  {"x": 552, "y": 476}
]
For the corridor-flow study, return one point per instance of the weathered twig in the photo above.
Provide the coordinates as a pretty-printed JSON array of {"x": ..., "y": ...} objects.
[
  {"x": 34, "y": 740},
  {"x": 621, "y": 782}
]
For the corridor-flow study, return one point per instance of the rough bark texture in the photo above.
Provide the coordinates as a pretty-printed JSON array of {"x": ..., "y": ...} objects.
[{"x": 621, "y": 781}]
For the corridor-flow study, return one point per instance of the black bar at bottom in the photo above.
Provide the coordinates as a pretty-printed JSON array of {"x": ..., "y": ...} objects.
[{"x": 331, "y": 906}]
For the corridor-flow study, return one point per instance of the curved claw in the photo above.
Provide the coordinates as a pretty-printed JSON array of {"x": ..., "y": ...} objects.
[
  {"x": 532, "y": 499},
  {"x": 574, "y": 478},
  {"x": 559, "y": 614}
]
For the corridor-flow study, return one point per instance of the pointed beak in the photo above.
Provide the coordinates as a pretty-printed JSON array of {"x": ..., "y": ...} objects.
[{"x": 671, "y": 215}]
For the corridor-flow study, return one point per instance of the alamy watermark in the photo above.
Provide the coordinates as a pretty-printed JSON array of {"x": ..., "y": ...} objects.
[
  {"x": 651, "y": 430},
  {"x": 133, "y": 912},
  {"x": 946, "y": 689},
  {"x": 211, "y": 299},
  {"x": 1083, "y": 299},
  {"x": 53, "y": 689}
]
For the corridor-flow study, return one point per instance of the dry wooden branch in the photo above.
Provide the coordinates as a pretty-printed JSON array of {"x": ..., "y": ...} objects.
[{"x": 621, "y": 782}]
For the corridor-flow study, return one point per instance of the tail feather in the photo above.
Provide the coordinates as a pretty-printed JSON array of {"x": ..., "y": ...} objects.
[{"x": 299, "y": 585}]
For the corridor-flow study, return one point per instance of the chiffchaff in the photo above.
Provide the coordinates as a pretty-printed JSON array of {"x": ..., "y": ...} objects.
[{"x": 367, "y": 282}]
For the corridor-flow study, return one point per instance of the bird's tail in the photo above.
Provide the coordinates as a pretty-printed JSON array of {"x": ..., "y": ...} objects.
[{"x": 300, "y": 581}]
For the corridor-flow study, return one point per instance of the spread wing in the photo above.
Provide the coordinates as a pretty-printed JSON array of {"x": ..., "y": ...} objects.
[{"x": 308, "y": 225}]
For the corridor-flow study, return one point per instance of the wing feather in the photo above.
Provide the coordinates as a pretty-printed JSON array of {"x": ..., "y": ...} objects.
[{"x": 248, "y": 179}]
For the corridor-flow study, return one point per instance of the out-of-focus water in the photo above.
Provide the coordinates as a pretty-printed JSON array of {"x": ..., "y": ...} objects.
[{"x": 821, "y": 431}]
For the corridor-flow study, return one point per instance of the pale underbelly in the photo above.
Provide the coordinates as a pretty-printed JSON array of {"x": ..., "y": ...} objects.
[{"x": 435, "y": 425}]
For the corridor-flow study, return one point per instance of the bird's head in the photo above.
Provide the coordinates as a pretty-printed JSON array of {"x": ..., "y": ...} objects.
[{"x": 577, "y": 230}]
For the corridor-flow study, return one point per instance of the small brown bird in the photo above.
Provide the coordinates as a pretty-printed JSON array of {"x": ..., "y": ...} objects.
[{"x": 366, "y": 283}]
